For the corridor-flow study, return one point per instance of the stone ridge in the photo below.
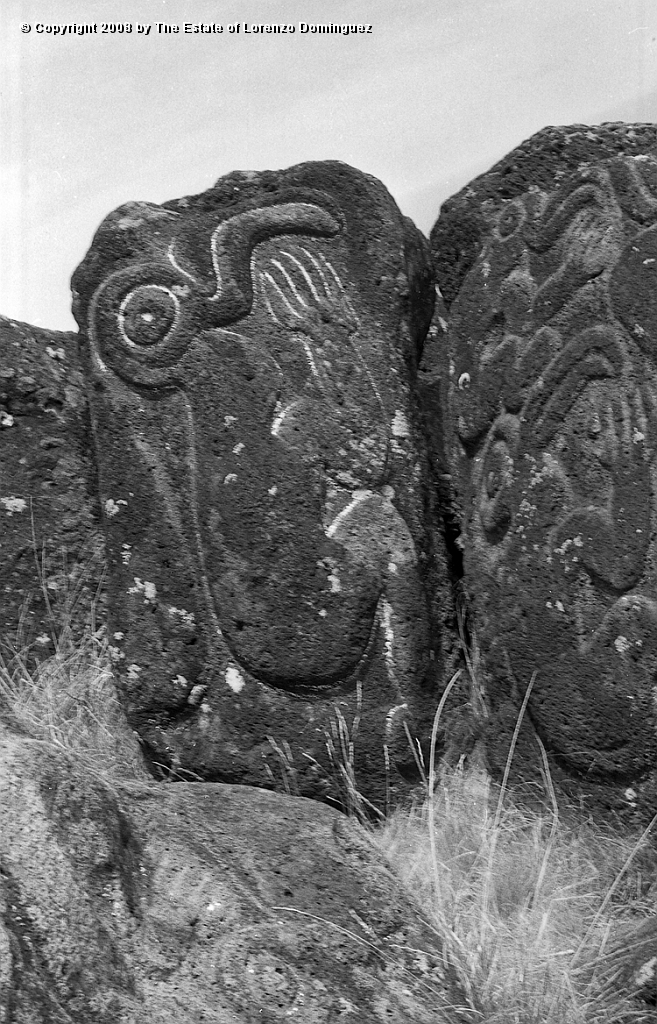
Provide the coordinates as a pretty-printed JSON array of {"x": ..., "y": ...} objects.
[
  {"x": 48, "y": 500},
  {"x": 542, "y": 161}
]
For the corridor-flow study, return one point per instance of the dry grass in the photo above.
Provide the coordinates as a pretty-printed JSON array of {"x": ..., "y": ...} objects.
[
  {"x": 69, "y": 699},
  {"x": 538, "y": 917}
]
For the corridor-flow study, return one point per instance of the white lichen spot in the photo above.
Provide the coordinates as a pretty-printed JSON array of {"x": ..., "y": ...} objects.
[
  {"x": 196, "y": 694},
  {"x": 622, "y": 644},
  {"x": 273, "y": 491},
  {"x": 43, "y": 639},
  {"x": 126, "y": 554},
  {"x": 181, "y": 681},
  {"x": 230, "y": 478},
  {"x": 638, "y": 330},
  {"x": 347, "y": 480},
  {"x": 392, "y": 568},
  {"x": 6, "y": 419},
  {"x": 550, "y": 468},
  {"x": 647, "y": 263},
  {"x": 559, "y": 606},
  {"x": 322, "y": 613},
  {"x": 485, "y": 268},
  {"x": 205, "y": 708},
  {"x": 234, "y": 679},
  {"x": 56, "y": 353},
  {"x": 238, "y": 448},
  {"x": 400, "y": 426},
  {"x": 229, "y": 420},
  {"x": 638, "y": 436},
  {"x": 133, "y": 673},
  {"x": 115, "y": 653},
  {"x": 443, "y": 323},
  {"x": 125, "y": 223},
  {"x": 13, "y": 505},
  {"x": 631, "y": 795},
  {"x": 182, "y": 613},
  {"x": 118, "y": 635},
  {"x": 334, "y": 580},
  {"x": 112, "y": 507},
  {"x": 147, "y": 589}
]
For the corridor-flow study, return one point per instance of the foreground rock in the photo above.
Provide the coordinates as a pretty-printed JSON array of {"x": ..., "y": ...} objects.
[
  {"x": 548, "y": 268},
  {"x": 276, "y": 576},
  {"x": 147, "y": 903}
]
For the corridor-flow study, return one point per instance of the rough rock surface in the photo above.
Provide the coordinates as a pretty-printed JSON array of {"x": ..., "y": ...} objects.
[
  {"x": 148, "y": 903},
  {"x": 250, "y": 356},
  {"x": 548, "y": 268},
  {"x": 49, "y": 532}
]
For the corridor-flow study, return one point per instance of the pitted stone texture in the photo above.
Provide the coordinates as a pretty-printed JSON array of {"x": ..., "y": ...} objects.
[
  {"x": 50, "y": 540},
  {"x": 550, "y": 380},
  {"x": 250, "y": 355},
  {"x": 153, "y": 903}
]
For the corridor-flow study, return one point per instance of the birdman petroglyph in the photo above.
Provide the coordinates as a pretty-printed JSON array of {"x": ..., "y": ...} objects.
[{"x": 250, "y": 356}]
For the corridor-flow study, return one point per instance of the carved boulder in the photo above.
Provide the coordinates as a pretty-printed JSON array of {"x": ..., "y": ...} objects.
[
  {"x": 142, "y": 902},
  {"x": 274, "y": 586},
  {"x": 548, "y": 372}
]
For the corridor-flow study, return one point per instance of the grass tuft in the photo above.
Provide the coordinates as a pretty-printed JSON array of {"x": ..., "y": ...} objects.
[
  {"x": 528, "y": 907},
  {"x": 69, "y": 700}
]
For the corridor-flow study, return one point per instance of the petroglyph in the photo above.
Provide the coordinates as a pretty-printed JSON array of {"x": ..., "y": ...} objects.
[
  {"x": 553, "y": 401},
  {"x": 251, "y": 406}
]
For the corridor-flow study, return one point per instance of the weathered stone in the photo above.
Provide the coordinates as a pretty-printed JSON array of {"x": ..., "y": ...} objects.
[
  {"x": 250, "y": 356},
  {"x": 150, "y": 903},
  {"x": 50, "y": 542},
  {"x": 548, "y": 375}
]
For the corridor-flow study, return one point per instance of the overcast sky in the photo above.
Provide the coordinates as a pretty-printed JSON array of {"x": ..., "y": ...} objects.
[{"x": 438, "y": 92}]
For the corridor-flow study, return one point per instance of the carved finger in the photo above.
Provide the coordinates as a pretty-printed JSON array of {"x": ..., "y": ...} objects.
[{"x": 279, "y": 301}]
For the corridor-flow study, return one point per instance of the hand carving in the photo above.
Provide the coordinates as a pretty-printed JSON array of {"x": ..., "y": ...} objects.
[{"x": 553, "y": 399}]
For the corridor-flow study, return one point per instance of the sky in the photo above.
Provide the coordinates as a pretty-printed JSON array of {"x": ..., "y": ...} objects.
[{"x": 435, "y": 94}]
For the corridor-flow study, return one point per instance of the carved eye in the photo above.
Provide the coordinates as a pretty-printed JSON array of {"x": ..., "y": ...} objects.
[
  {"x": 464, "y": 382},
  {"x": 148, "y": 314},
  {"x": 139, "y": 324},
  {"x": 511, "y": 218},
  {"x": 495, "y": 496}
]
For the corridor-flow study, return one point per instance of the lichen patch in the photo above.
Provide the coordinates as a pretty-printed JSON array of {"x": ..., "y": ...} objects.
[{"x": 13, "y": 505}]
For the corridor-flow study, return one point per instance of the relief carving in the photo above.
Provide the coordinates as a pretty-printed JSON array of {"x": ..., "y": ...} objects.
[
  {"x": 261, "y": 472},
  {"x": 553, "y": 401}
]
